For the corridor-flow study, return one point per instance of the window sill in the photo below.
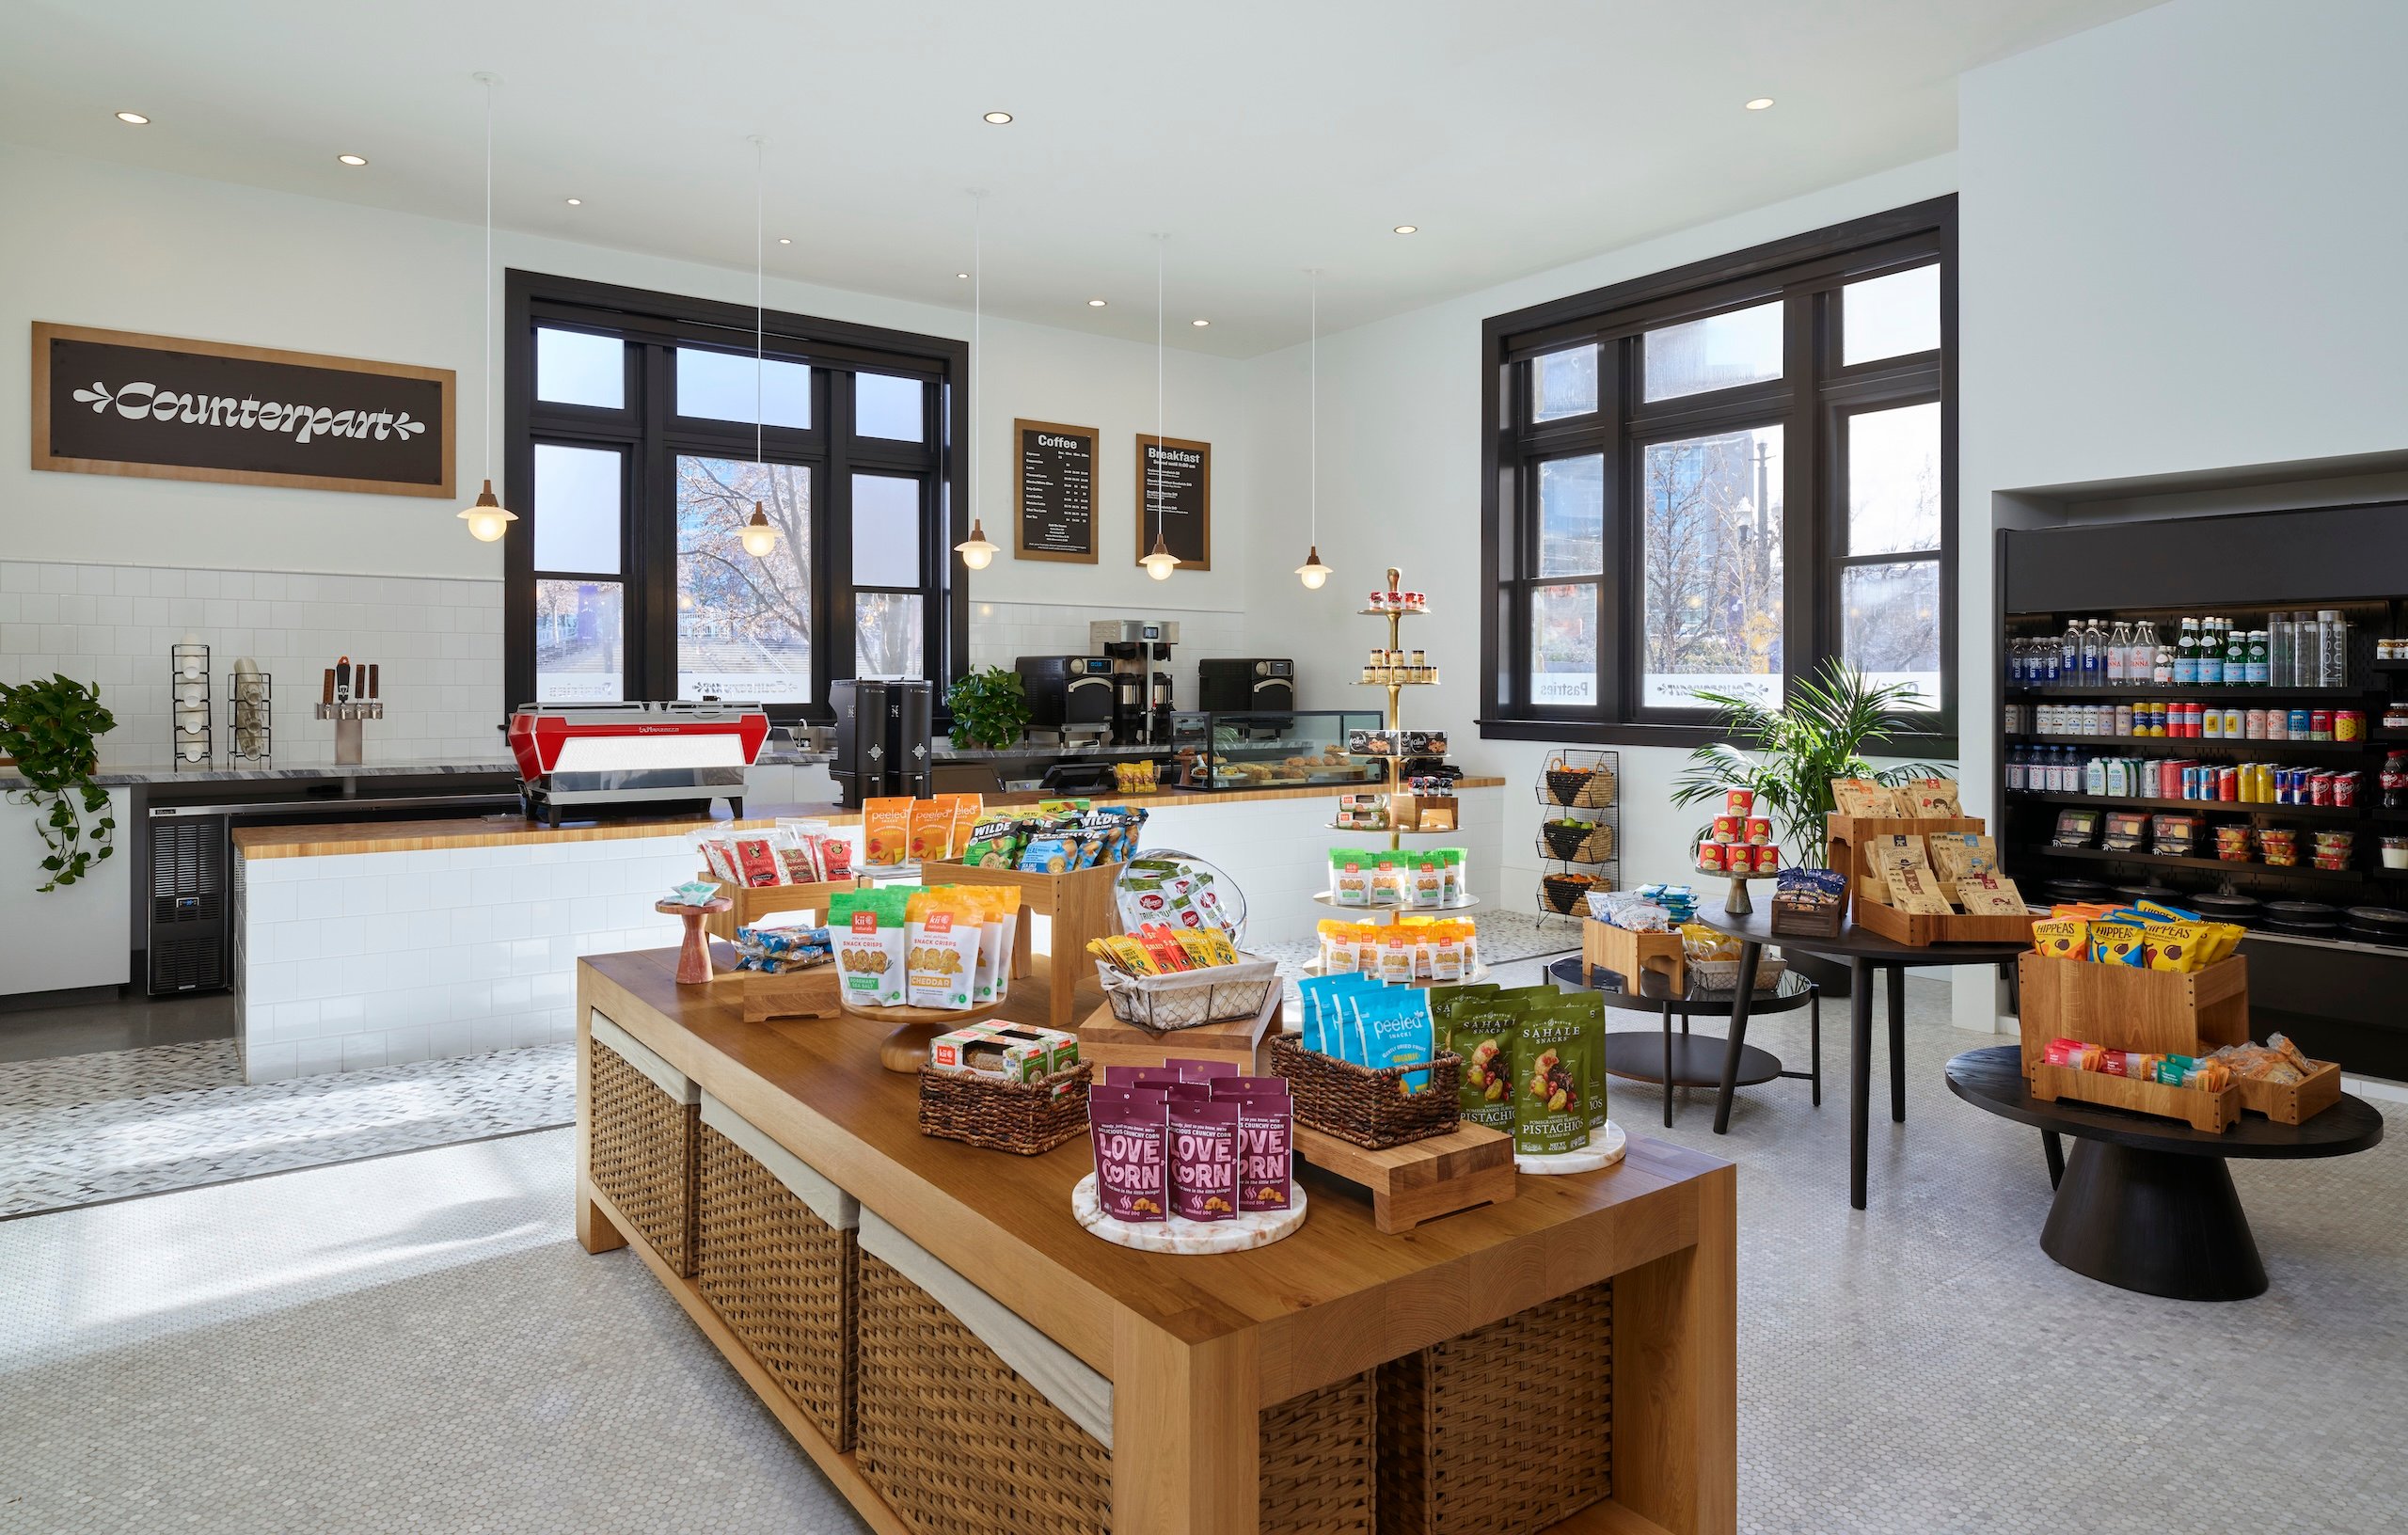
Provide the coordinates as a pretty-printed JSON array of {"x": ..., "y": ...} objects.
[{"x": 1937, "y": 748}]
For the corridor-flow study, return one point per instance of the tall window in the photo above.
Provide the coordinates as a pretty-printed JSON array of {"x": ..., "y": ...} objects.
[
  {"x": 629, "y": 433},
  {"x": 1711, "y": 481}
]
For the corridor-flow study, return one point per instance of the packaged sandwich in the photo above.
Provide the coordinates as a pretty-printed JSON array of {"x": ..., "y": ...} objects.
[{"x": 865, "y": 928}]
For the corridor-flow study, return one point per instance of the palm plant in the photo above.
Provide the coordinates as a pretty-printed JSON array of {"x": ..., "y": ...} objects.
[{"x": 1819, "y": 734}]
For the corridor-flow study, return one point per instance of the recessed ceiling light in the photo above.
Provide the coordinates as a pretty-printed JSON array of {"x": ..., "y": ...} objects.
[
  {"x": 1095, "y": 303},
  {"x": 998, "y": 119},
  {"x": 1760, "y": 103},
  {"x": 783, "y": 240},
  {"x": 1199, "y": 322},
  {"x": 135, "y": 117},
  {"x": 353, "y": 159},
  {"x": 1407, "y": 228},
  {"x": 963, "y": 276},
  {"x": 577, "y": 202}
]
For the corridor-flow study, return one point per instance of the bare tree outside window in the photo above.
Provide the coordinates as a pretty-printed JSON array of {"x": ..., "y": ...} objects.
[
  {"x": 743, "y": 624},
  {"x": 1711, "y": 584}
]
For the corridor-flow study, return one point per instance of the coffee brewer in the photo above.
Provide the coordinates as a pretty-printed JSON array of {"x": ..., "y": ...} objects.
[{"x": 1142, "y": 696}]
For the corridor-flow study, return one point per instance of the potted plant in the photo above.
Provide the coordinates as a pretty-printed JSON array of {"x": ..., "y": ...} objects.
[
  {"x": 1790, "y": 754},
  {"x": 990, "y": 709},
  {"x": 52, "y": 726}
]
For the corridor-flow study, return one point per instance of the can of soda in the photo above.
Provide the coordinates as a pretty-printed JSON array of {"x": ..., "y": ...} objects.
[
  {"x": 2298, "y": 726},
  {"x": 2228, "y": 784},
  {"x": 2319, "y": 787},
  {"x": 2349, "y": 724},
  {"x": 2252, "y": 725},
  {"x": 2320, "y": 724},
  {"x": 2190, "y": 783}
]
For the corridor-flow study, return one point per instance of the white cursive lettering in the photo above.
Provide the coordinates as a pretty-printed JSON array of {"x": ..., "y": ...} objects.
[{"x": 139, "y": 400}]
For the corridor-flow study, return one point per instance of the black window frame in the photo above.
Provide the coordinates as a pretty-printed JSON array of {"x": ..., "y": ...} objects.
[
  {"x": 652, "y": 435},
  {"x": 1808, "y": 274}
]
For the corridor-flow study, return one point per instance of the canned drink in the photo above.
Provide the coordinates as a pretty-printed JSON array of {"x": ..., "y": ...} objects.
[
  {"x": 1709, "y": 856},
  {"x": 2319, "y": 787},
  {"x": 2210, "y": 725},
  {"x": 2252, "y": 725},
  {"x": 1759, "y": 830},
  {"x": 2320, "y": 724},
  {"x": 2190, "y": 783},
  {"x": 2123, "y": 718},
  {"x": 2235, "y": 724},
  {"x": 1726, "y": 827},
  {"x": 2349, "y": 724},
  {"x": 2278, "y": 723},
  {"x": 2283, "y": 785},
  {"x": 2229, "y": 785},
  {"x": 2299, "y": 724},
  {"x": 2345, "y": 788}
]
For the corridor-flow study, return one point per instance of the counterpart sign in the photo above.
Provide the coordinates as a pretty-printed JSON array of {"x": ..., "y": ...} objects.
[
  {"x": 1175, "y": 490},
  {"x": 1053, "y": 491},
  {"x": 110, "y": 402}
]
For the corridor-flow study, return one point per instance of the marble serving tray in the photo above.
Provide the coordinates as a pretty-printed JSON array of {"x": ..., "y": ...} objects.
[
  {"x": 1601, "y": 1152},
  {"x": 1177, "y": 1235}
]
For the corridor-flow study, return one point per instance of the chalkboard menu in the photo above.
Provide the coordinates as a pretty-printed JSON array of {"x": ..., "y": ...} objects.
[
  {"x": 110, "y": 402},
  {"x": 1053, "y": 491},
  {"x": 1175, "y": 487}
]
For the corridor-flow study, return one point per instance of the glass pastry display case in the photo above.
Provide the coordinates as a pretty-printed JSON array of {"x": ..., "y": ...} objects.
[{"x": 1290, "y": 748}]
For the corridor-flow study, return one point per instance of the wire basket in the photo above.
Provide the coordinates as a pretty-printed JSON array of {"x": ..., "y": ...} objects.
[
  {"x": 1222, "y": 994},
  {"x": 1723, "y": 974},
  {"x": 1563, "y": 894}
]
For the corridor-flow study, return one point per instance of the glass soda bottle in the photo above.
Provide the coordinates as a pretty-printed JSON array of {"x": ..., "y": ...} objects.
[
  {"x": 2119, "y": 655},
  {"x": 2212, "y": 652},
  {"x": 2186, "y": 655}
]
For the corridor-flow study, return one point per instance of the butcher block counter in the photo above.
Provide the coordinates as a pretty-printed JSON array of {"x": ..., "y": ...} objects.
[{"x": 1198, "y": 1351}]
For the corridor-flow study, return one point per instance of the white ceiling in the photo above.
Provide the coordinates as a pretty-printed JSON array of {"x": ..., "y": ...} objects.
[{"x": 1264, "y": 138}]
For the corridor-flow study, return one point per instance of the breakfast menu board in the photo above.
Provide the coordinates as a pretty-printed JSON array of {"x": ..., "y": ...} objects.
[
  {"x": 1053, "y": 491},
  {"x": 1175, "y": 480}
]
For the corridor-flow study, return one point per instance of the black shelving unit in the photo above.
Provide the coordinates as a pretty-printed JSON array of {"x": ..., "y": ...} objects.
[{"x": 2334, "y": 997}]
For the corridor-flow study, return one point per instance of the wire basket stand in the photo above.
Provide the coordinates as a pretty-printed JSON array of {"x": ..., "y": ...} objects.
[{"x": 1580, "y": 835}]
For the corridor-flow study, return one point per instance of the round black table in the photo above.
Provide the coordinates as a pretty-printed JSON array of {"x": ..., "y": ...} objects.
[
  {"x": 1687, "y": 1060},
  {"x": 1864, "y": 953},
  {"x": 2144, "y": 1203}
]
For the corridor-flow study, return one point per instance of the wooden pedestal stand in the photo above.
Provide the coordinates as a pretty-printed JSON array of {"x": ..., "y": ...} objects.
[
  {"x": 907, "y": 1049},
  {"x": 1605, "y": 946},
  {"x": 1421, "y": 1179},
  {"x": 1105, "y": 1040},
  {"x": 752, "y": 903},
  {"x": 694, "y": 953}
]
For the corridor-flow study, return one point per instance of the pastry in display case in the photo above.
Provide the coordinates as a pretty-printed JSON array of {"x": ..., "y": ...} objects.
[{"x": 1292, "y": 749}]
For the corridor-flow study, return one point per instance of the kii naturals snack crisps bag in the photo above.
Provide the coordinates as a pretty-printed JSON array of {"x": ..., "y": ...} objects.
[
  {"x": 865, "y": 928},
  {"x": 940, "y": 958},
  {"x": 1203, "y": 1159},
  {"x": 1128, "y": 1127}
]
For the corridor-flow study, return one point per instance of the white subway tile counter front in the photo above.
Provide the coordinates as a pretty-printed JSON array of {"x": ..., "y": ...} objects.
[{"x": 374, "y": 944}]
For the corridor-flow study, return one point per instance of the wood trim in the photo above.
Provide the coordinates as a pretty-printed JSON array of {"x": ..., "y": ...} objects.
[
  {"x": 44, "y": 332},
  {"x": 1144, "y": 542},
  {"x": 1095, "y": 496}
]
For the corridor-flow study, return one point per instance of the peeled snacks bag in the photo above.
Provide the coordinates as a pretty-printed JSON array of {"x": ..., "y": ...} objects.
[
  {"x": 865, "y": 928},
  {"x": 940, "y": 961},
  {"x": 886, "y": 832},
  {"x": 930, "y": 828},
  {"x": 1203, "y": 1159}
]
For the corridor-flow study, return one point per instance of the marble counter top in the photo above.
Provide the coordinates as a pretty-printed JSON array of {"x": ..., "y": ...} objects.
[{"x": 120, "y": 777}]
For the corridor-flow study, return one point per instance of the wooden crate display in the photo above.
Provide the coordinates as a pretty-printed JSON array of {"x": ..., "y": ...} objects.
[
  {"x": 1843, "y": 849},
  {"x": 2291, "y": 1103},
  {"x": 2160, "y": 1012},
  {"x": 1079, "y": 904},
  {"x": 753, "y": 903},
  {"x": 1105, "y": 1040},
  {"x": 1605, "y": 946}
]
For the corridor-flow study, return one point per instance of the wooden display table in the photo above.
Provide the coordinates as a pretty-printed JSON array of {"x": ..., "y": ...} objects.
[{"x": 1196, "y": 1347}]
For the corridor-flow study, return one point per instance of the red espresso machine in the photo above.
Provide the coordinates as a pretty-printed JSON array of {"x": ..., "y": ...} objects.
[{"x": 586, "y": 755}]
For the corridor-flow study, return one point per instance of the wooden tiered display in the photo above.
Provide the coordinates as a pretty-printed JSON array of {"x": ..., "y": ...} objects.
[
  {"x": 1846, "y": 837},
  {"x": 2161, "y": 1012}
]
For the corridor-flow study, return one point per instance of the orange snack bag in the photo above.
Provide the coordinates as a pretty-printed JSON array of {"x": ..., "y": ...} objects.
[
  {"x": 931, "y": 827},
  {"x": 886, "y": 832},
  {"x": 967, "y": 809}
]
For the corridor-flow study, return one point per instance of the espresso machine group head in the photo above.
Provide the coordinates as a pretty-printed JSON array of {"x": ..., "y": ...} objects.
[{"x": 1141, "y": 691}]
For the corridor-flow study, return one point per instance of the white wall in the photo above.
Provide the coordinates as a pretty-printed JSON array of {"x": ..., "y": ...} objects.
[
  {"x": 1399, "y": 485},
  {"x": 95, "y": 244},
  {"x": 2181, "y": 247}
]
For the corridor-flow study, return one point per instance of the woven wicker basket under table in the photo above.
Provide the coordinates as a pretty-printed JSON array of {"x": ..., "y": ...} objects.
[
  {"x": 778, "y": 1258},
  {"x": 1453, "y": 1414},
  {"x": 645, "y": 1115},
  {"x": 957, "y": 1439}
]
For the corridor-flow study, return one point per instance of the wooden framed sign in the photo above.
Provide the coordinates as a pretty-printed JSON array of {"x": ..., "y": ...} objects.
[
  {"x": 1053, "y": 491},
  {"x": 1175, "y": 481},
  {"x": 112, "y": 401}
]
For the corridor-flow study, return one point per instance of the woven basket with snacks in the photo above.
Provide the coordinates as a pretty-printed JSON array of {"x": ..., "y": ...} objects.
[
  {"x": 1369, "y": 1107},
  {"x": 1221, "y": 994}
]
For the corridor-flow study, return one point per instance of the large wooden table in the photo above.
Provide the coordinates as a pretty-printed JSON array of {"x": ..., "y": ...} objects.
[{"x": 1195, "y": 1347}]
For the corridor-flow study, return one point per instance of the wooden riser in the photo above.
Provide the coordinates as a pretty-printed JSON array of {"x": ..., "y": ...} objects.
[
  {"x": 1423, "y": 1179},
  {"x": 2292, "y": 1104},
  {"x": 1919, "y": 930},
  {"x": 2126, "y": 1007},
  {"x": 1105, "y": 1040},
  {"x": 1605, "y": 946},
  {"x": 2214, "y": 1113}
]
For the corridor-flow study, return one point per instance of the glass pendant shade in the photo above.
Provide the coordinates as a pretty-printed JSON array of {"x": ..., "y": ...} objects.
[
  {"x": 1159, "y": 562},
  {"x": 757, "y": 535},
  {"x": 1312, "y": 571},
  {"x": 976, "y": 551},
  {"x": 487, "y": 518}
]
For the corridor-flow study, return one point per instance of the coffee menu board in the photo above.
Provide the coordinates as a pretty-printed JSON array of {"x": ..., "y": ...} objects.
[
  {"x": 1053, "y": 491},
  {"x": 110, "y": 402},
  {"x": 1175, "y": 484}
]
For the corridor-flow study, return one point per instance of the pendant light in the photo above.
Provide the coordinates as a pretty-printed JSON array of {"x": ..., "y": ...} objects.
[
  {"x": 757, "y": 535},
  {"x": 976, "y": 551},
  {"x": 1312, "y": 572},
  {"x": 1159, "y": 562},
  {"x": 487, "y": 518}
]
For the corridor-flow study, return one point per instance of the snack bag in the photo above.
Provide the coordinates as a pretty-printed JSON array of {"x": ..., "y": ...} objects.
[
  {"x": 1586, "y": 1011},
  {"x": 865, "y": 928},
  {"x": 1337, "y": 946},
  {"x": 1129, "y": 1128},
  {"x": 1455, "y": 885},
  {"x": 992, "y": 902},
  {"x": 1266, "y": 1139},
  {"x": 886, "y": 832},
  {"x": 1468, "y": 1022},
  {"x": 718, "y": 856},
  {"x": 991, "y": 844},
  {"x": 2172, "y": 945},
  {"x": 1429, "y": 871},
  {"x": 836, "y": 857},
  {"x": 1349, "y": 880},
  {"x": 941, "y": 959},
  {"x": 1203, "y": 1157},
  {"x": 2062, "y": 937},
  {"x": 1447, "y": 952},
  {"x": 1932, "y": 798},
  {"x": 757, "y": 858},
  {"x": 1551, "y": 1070},
  {"x": 2116, "y": 944},
  {"x": 1389, "y": 880},
  {"x": 1396, "y": 1032},
  {"x": 968, "y": 811},
  {"x": 930, "y": 828},
  {"x": 1048, "y": 855},
  {"x": 1396, "y": 959}
]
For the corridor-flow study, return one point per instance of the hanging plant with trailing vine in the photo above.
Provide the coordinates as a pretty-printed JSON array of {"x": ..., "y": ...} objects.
[{"x": 53, "y": 727}]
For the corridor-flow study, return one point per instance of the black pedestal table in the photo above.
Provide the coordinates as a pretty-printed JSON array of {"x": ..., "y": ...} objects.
[
  {"x": 1700, "y": 1060},
  {"x": 1863, "y": 953},
  {"x": 2145, "y": 1203}
]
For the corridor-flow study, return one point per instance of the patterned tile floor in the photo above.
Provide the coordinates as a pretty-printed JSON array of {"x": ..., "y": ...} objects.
[
  {"x": 416, "y": 1342},
  {"x": 82, "y": 1128}
]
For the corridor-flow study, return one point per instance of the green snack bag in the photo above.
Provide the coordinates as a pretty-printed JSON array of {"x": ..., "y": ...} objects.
[
  {"x": 993, "y": 845},
  {"x": 866, "y": 930},
  {"x": 1469, "y": 1021},
  {"x": 1553, "y": 1065},
  {"x": 1587, "y": 1011}
]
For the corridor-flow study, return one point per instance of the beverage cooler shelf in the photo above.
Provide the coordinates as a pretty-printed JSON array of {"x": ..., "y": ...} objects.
[{"x": 2116, "y": 801}]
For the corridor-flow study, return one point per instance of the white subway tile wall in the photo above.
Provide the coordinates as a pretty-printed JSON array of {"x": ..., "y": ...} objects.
[
  {"x": 1000, "y": 632},
  {"x": 436, "y": 644}
]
